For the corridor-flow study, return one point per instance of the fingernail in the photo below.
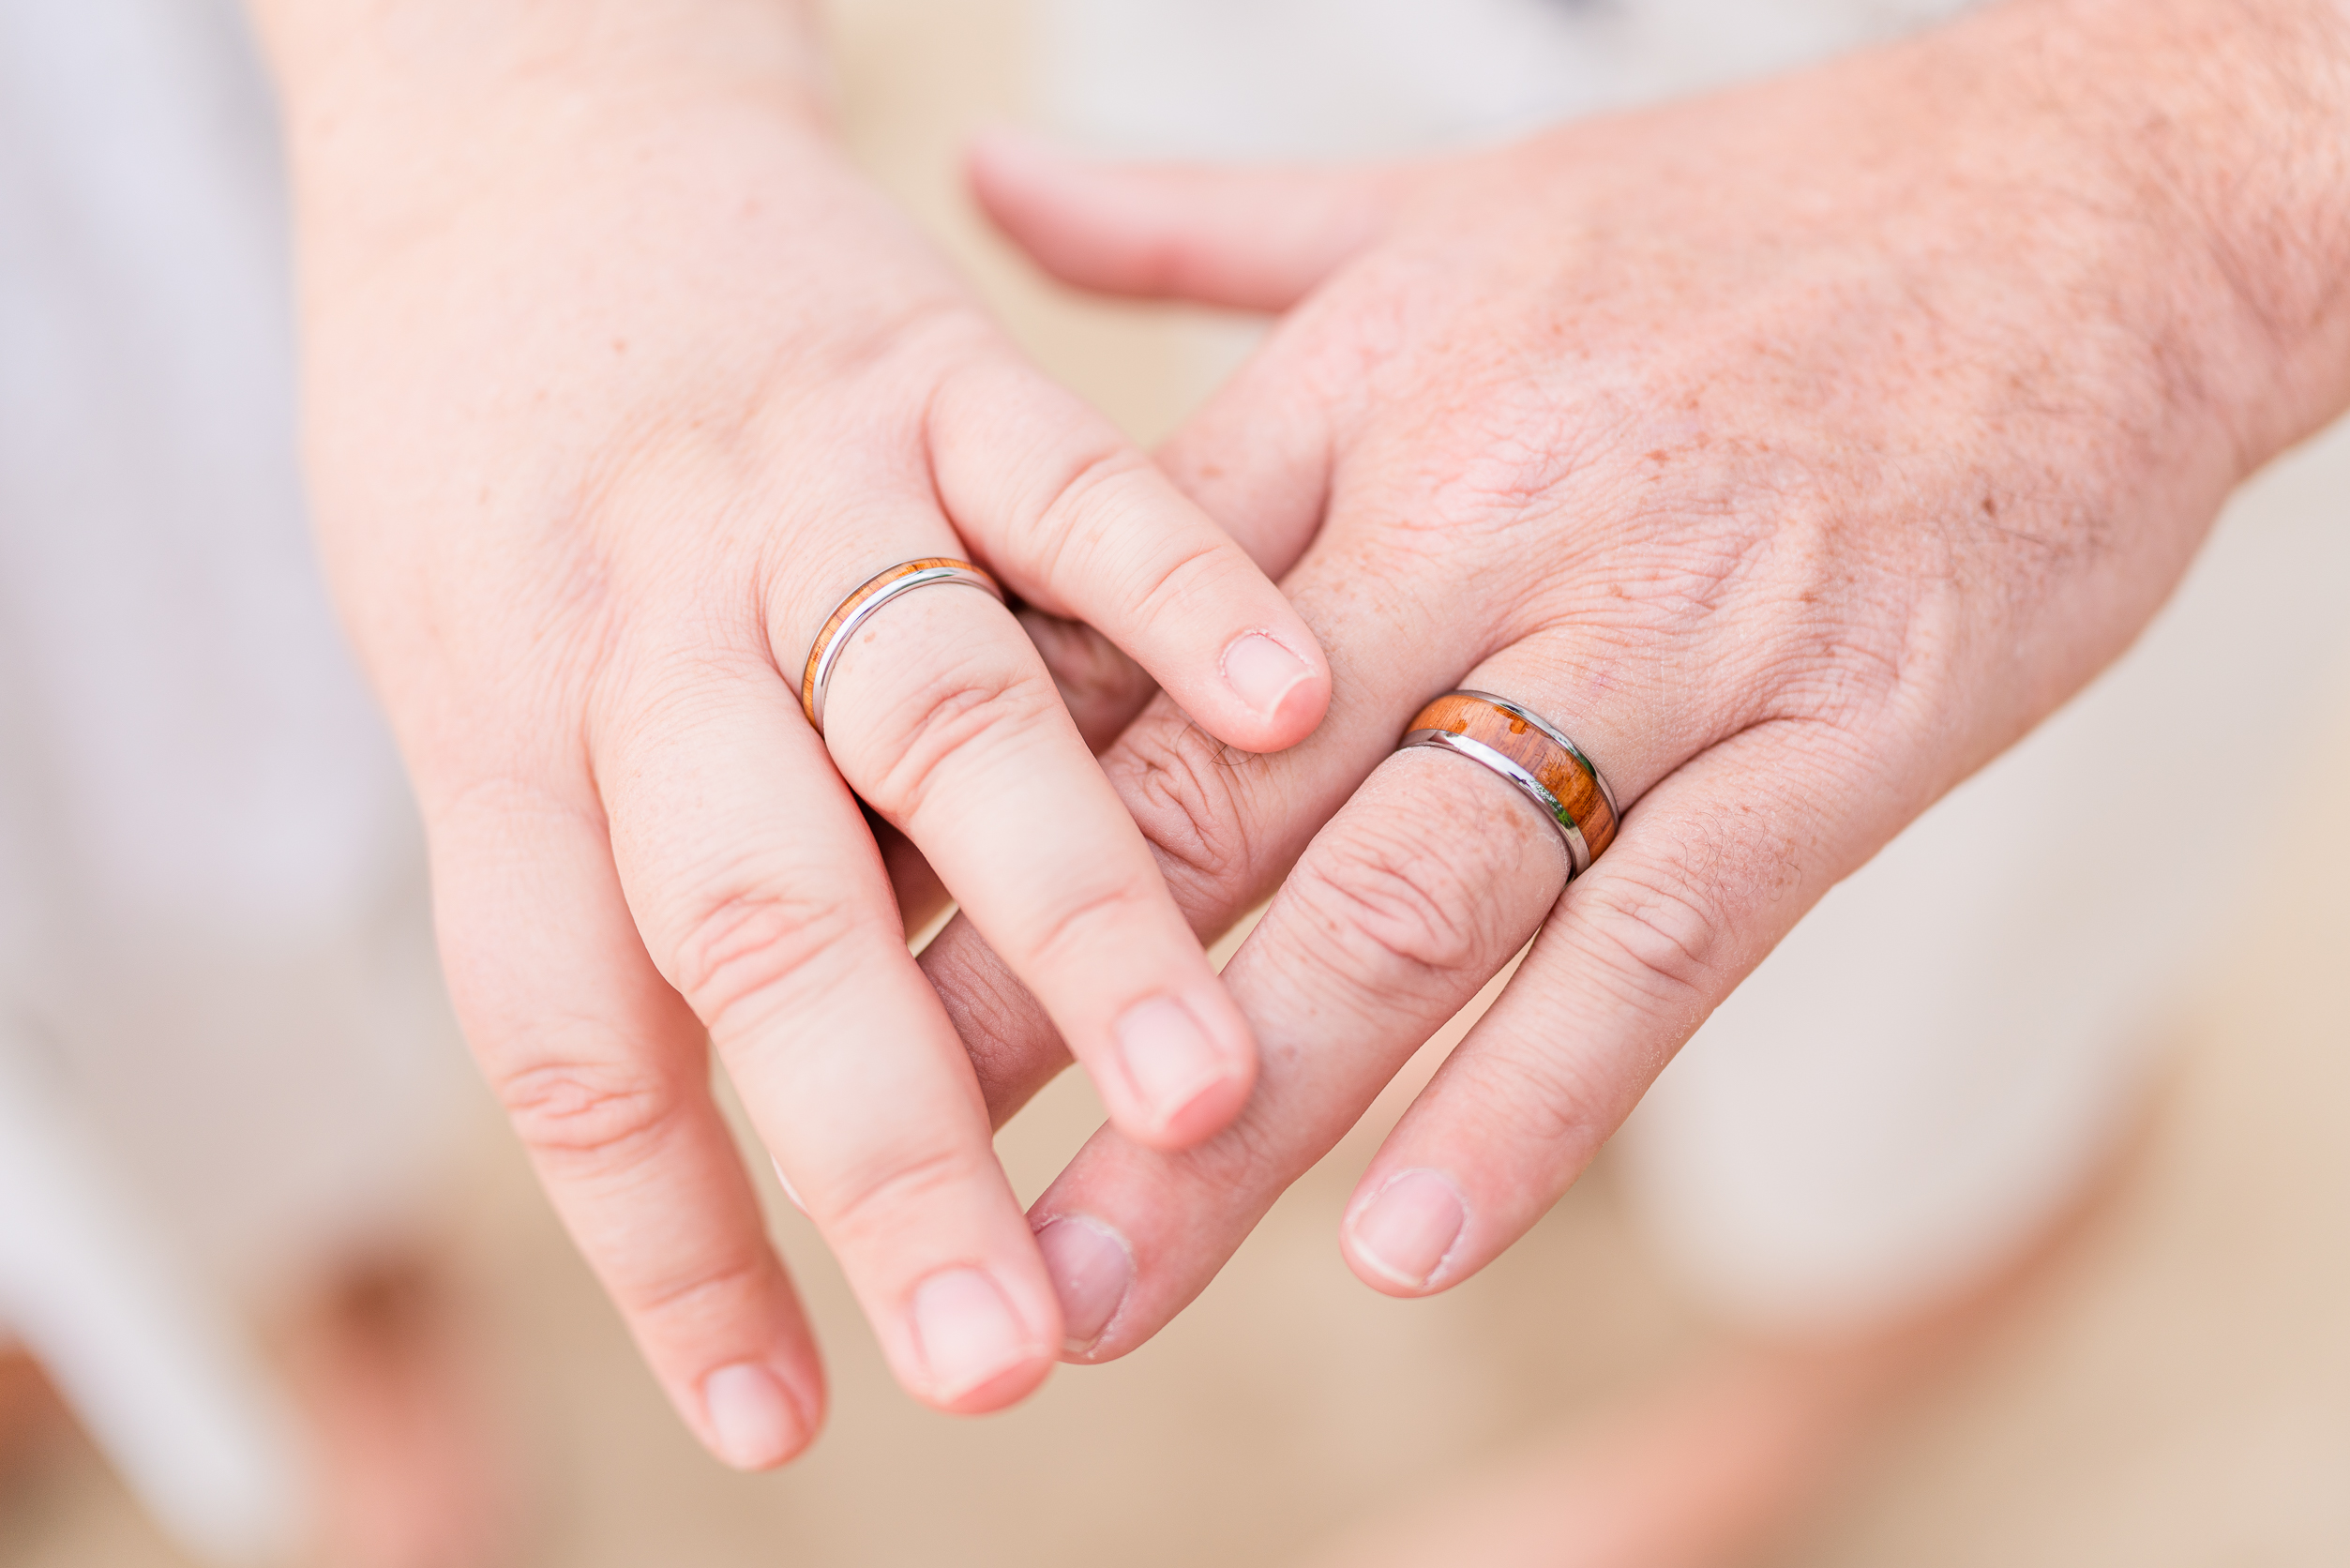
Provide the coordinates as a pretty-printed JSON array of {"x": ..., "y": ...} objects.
[
  {"x": 752, "y": 1417},
  {"x": 1262, "y": 672},
  {"x": 1091, "y": 1270},
  {"x": 967, "y": 1332},
  {"x": 1168, "y": 1058},
  {"x": 1407, "y": 1230}
]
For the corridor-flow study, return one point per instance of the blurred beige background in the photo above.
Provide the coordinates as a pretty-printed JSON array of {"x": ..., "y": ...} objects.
[{"x": 2178, "y": 1395}]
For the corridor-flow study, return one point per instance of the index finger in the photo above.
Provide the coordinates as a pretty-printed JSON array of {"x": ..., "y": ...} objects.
[{"x": 1081, "y": 524}]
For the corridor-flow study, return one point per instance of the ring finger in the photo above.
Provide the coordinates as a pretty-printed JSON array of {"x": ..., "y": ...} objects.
[
  {"x": 942, "y": 715},
  {"x": 763, "y": 903}
]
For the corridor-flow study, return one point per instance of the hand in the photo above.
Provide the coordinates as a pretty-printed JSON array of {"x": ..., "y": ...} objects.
[
  {"x": 1793, "y": 451},
  {"x": 619, "y": 382}
]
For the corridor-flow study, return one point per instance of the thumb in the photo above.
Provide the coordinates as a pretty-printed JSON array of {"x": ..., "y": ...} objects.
[{"x": 1253, "y": 239}]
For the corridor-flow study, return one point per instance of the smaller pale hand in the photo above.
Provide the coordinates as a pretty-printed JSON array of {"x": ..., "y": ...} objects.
[{"x": 619, "y": 382}]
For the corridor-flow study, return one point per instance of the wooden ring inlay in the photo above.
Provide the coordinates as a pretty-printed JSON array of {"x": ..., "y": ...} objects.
[{"x": 1538, "y": 747}]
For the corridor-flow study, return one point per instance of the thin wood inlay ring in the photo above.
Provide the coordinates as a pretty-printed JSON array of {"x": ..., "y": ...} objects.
[
  {"x": 1534, "y": 756},
  {"x": 875, "y": 592}
]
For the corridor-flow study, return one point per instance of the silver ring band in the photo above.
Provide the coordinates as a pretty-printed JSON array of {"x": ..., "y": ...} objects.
[
  {"x": 859, "y": 608},
  {"x": 1529, "y": 754},
  {"x": 1578, "y": 850}
]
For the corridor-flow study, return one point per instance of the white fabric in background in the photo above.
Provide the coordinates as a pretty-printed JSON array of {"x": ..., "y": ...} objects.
[
  {"x": 211, "y": 904},
  {"x": 1356, "y": 78},
  {"x": 1923, "y": 1075}
]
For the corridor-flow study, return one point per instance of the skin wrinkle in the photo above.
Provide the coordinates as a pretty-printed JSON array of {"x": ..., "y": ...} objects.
[
  {"x": 1173, "y": 580},
  {"x": 668, "y": 693},
  {"x": 1404, "y": 889},
  {"x": 700, "y": 1293},
  {"x": 1234, "y": 1160},
  {"x": 872, "y": 1198},
  {"x": 1071, "y": 927},
  {"x": 1088, "y": 473},
  {"x": 957, "y": 702},
  {"x": 599, "y": 1117},
  {"x": 1552, "y": 1099},
  {"x": 1185, "y": 796},
  {"x": 741, "y": 943},
  {"x": 1662, "y": 969},
  {"x": 988, "y": 1005}
]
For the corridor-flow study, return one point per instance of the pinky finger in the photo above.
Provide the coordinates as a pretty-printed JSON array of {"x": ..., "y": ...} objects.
[
  {"x": 605, "y": 1075},
  {"x": 1714, "y": 868}
]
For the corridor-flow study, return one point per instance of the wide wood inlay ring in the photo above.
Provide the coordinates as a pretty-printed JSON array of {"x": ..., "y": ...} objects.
[
  {"x": 1533, "y": 756},
  {"x": 875, "y": 592}
]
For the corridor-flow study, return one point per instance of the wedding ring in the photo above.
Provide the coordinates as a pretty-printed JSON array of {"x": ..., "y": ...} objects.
[
  {"x": 859, "y": 606},
  {"x": 1534, "y": 756}
]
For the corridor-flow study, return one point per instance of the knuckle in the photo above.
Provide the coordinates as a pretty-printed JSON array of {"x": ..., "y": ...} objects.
[
  {"x": 1187, "y": 570},
  {"x": 601, "y": 1113},
  {"x": 1236, "y": 1172},
  {"x": 1689, "y": 582},
  {"x": 696, "y": 1292},
  {"x": 1548, "y": 1101},
  {"x": 1077, "y": 505},
  {"x": 1839, "y": 644},
  {"x": 867, "y": 1201},
  {"x": 1507, "y": 472},
  {"x": 1090, "y": 921},
  {"x": 1188, "y": 795},
  {"x": 928, "y": 329},
  {"x": 746, "y": 943},
  {"x": 1660, "y": 942},
  {"x": 953, "y": 710},
  {"x": 1403, "y": 912},
  {"x": 1257, "y": 1152}
]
